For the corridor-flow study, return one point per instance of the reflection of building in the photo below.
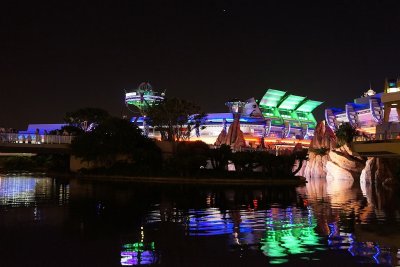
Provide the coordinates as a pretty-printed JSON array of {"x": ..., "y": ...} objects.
[
  {"x": 289, "y": 231},
  {"x": 138, "y": 253},
  {"x": 353, "y": 219},
  {"x": 24, "y": 191},
  {"x": 279, "y": 115}
]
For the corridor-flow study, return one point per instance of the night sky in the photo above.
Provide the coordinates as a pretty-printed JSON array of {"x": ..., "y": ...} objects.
[{"x": 58, "y": 56}]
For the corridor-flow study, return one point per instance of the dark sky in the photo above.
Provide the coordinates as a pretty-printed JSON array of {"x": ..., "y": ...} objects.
[{"x": 59, "y": 56}]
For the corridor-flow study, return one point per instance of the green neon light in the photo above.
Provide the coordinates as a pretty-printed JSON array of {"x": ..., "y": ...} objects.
[
  {"x": 291, "y": 102},
  {"x": 289, "y": 232},
  {"x": 271, "y": 98},
  {"x": 276, "y": 107},
  {"x": 309, "y": 106}
]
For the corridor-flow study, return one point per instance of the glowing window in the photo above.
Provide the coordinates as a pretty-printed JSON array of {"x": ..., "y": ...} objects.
[{"x": 393, "y": 90}]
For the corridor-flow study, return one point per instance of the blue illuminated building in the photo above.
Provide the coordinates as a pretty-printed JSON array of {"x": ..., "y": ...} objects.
[
  {"x": 368, "y": 111},
  {"x": 279, "y": 117}
]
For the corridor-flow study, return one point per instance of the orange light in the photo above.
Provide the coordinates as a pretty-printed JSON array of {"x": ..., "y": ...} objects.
[{"x": 290, "y": 142}]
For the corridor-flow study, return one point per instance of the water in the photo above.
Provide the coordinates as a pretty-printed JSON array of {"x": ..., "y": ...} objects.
[{"x": 46, "y": 221}]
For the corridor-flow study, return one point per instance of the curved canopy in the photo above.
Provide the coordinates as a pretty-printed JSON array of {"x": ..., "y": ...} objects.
[
  {"x": 272, "y": 98},
  {"x": 291, "y": 102},
  {"x": 309, "y": 106}
]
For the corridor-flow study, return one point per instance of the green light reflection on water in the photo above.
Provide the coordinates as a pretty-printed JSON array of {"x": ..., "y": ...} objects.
[
  {"x": 139, "y": 247},
  {"x": 289, "y": 232}
]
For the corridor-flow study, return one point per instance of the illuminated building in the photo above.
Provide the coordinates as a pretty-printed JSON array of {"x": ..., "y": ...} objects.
[
  {"x": 279, "y": 117},
  {"x": 370, "y": 110},
  {"x": 143, "y": 98}
]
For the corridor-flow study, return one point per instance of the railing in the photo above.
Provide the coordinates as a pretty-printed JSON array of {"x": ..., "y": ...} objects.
[
  {"x": 377, "y": 137},
  {"x": 364, "y": 137},
  {"x": 273, "y": 151},
  {"x": 38, "y": 139}
]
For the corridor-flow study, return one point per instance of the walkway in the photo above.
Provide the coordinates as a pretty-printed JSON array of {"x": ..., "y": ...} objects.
[
  {"x": 31, "y": 143},
  {"x": 380, "y": 145}
]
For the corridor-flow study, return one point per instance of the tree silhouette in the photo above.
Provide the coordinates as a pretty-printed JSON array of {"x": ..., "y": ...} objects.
[
  {"x": 86, "y": 118},
  {"x": 345, "y": 133},
  {"x": 175, "y": 118}
]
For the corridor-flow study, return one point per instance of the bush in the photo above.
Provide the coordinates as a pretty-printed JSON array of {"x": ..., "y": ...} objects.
[
  {"x": 190, "y": 157},
  {"x": 19, "y": 163},
  {"x": 114, "y": 138}
]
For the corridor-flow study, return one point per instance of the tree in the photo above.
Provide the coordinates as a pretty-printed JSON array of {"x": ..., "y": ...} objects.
[
  {"x": 72, "y": 130},
  {"x": 86, "y": 118},
  {"x": 244, "y": 161},
  {"x": 345, "y": 133},
  {"x": 175, "y": 119},
  {"x": 220, "y": 157},
  {"x": 300, "y": 156},
  {"x": 115, "y": 138},
  {"x": 190, "y": 157}
]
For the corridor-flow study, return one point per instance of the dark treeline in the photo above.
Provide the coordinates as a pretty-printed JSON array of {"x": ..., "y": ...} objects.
[
  {"x": 36, "y": 163},
  {"x": 118, "y": 147},
  {"x": 115, "y": 146}
]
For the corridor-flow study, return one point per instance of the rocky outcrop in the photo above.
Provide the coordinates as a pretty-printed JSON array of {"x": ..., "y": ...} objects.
[
  {"x": 324, "y": 139},
  {"x": 234, "y": 137},
  {"x": 221, "y": 138},
  {"x": 381, "y": 171},
  {"x": 334, "y": 172},
  {"x": 315, "y": 166},
  {"x": 344, "y": 165},
  {"x": 327, "y": 160},
  {"x": 368, "y": 173}
]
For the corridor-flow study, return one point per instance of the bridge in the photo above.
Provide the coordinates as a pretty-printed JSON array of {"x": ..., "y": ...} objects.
[
  {"x": 380, "y": 145},
  {"x": 35, "y": 143}
]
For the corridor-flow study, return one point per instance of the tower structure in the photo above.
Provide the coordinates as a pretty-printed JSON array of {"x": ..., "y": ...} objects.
[{"x": 142, "y": 99}]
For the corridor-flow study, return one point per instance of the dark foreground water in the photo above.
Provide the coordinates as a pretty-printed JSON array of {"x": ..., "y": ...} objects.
[{"x": 58, "y": 222}]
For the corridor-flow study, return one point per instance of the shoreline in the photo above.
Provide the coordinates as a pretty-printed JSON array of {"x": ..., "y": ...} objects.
[
  {"x": 171, "y": 180},
  {"x": 199, "y": 181}
]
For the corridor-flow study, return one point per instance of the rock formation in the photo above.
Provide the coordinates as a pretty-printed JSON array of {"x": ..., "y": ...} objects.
[
  {"x": 327, "y": 160},
  {"x": 380, "y": 171},
  {"x": 341, "y": 165},
  {"x": 324, "y": 139},
  {"x": 344, "y": 165},
  {"x": 234, "y": 137}
]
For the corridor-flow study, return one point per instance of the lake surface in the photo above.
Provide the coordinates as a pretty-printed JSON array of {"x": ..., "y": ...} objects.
[{"x": 45, "y": 221}]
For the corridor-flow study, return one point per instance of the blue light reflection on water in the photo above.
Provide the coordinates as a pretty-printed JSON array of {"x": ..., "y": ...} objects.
[
  {"x": 277, "y": 232},
  {"x": 16, "y": 191},
  {"x": 332, "y": 220},
  {"x": 280, "y": 231}
]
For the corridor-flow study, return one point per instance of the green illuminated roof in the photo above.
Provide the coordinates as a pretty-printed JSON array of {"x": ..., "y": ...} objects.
[
  {"x": 291, "y": 102},
  {"x": 309, "y": 106},
  {"x": 272, "y": 98}
]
